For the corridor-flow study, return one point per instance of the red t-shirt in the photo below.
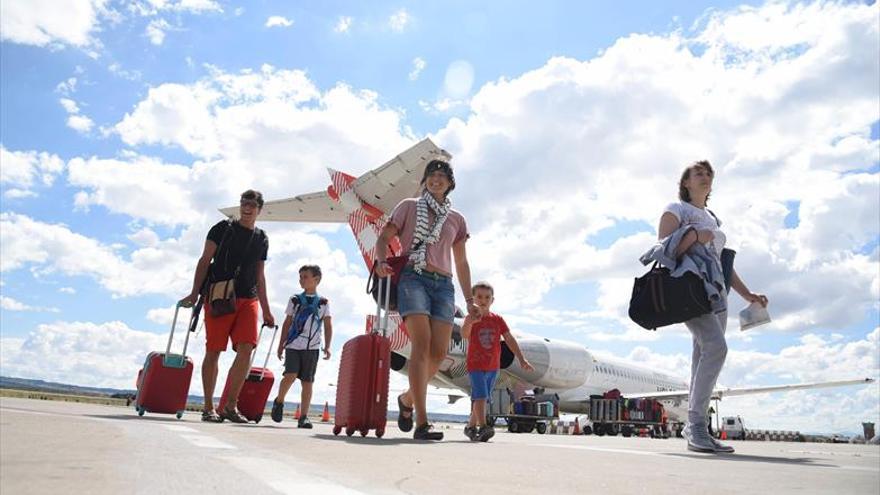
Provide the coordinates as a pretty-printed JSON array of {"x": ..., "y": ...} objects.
[{"x": 484, "y": 345}]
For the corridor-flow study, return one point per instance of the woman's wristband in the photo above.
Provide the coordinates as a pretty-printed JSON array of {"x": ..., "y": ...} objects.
[{"x": 469, "y": 300}]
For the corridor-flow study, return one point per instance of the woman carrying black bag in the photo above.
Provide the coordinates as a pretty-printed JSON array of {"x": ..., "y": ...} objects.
[{"x": 710, "y": 347}]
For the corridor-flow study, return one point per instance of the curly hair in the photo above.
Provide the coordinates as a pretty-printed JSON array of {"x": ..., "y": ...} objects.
[{"x": 683, "y": 193}]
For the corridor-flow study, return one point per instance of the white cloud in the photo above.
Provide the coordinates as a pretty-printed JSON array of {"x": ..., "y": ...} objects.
[
  {"x": 459, "y": 79},
  {"x": 23, "y": 169},
  {"x": 67, "y": 86},
  {"x": 80, "y": 123},
  {"x": 278, "y": 21},
  {"x": 156, "y": 29},
  {"x": 275, "y": 118},
  {"x": 67, "y": 290},
  {"x": 343, "y": 25},
  {"x": 131, "y": 75},
  {"x": 418, "y": 66},
  {"x": 75, "y": 120},
  {"x": 399, "y": 20},
  {"x": 140, "y": 187},
  {"x": 144, "y": 237},
  {"x": 10, "y": 304},
  {"x": 581, "y": 146},
  {"x": 53, "y": 249},
  {"x": 46, "y": 22}
]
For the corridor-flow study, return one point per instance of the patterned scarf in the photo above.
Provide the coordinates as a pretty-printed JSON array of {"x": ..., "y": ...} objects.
[{"x": 424, "y": 233}]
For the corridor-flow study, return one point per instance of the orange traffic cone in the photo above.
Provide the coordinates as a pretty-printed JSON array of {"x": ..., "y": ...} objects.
[
  {"x": 724, "y": 435},
  {"x": 296, "y": 414},
  {"x": 577, "y": 427},
  {"x": 325, "y": 417}
]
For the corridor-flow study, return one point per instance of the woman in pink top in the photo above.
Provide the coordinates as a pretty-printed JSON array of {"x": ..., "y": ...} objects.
[{"x": 429, "y": 231}]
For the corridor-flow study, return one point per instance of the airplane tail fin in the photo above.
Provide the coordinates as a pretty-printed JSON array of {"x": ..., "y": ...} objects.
[{"x": 365, "y": 220}]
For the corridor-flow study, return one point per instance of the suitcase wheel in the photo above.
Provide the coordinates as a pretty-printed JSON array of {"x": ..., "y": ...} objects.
[
  {"x": 365, "y": 432},
  {"x": 349, "y": 431},
  {"x": 179, "y": 414},
  {"x": 336, "y": 430},
  {"x": 141, "y": 410},
  {"x": 258, "y": 418},
  {"x": 379, "y": 433}
]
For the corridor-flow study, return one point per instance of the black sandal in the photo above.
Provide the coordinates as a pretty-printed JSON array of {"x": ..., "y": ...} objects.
[
  {"x": 210, "y": 417},
  {"x": 404, "y": 423},
  {"x": 426, "y": 432},
  {"x": 232, "y": 415}
]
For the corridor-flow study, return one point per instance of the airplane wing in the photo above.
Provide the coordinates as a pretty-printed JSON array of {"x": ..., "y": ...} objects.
[
  {"x": 381, "y": 187},
  {"x": 399, "y": 178},
  {"x": 720, "y": 393},
  {"x": 311, "y": 207}
]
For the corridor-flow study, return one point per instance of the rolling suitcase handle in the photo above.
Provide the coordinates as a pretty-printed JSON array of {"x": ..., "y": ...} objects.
[
  {"x": 176, "y": 360},
  {"x": 382, "y": 321},
  {"x": 254, "y": 352}
]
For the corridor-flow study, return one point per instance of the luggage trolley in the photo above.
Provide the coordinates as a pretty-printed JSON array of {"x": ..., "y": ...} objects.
[{"x": 530, "y": 413}]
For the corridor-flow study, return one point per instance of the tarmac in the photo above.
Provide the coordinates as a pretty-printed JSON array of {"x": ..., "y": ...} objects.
[{"x": 71, "y": 448}]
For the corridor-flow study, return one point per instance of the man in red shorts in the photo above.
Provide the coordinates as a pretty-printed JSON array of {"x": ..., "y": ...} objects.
[{"x": 233, "y": 250}]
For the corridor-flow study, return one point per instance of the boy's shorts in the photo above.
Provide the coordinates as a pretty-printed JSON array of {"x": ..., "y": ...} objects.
[
  {"x": 303, "y": 363},
  {"x": 240, "y": 327},
  {"x": 426, "y": 294},
  {"x": 482, "y": 383}
]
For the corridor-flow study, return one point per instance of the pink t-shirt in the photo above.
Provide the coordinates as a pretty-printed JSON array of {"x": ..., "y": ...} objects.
[{"x": 439, "y": 253}]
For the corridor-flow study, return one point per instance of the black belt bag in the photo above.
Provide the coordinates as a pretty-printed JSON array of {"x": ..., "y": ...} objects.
[{"x": 659, "y": 299}]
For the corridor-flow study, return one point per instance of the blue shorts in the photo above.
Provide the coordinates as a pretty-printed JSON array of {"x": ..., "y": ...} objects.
[
  {"x": 482, "y": 383},
  {"x": 426, "y": 294}
]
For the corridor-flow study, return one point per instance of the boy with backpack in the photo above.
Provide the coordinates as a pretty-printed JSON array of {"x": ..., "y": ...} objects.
[
  {"x": 300, "y": 340},
  {"x": 484, "y": 336}
]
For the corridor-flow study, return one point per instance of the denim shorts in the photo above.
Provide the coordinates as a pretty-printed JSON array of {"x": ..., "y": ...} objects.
[
  {"x": 426, "y": 294},
  {"x": 482, "y": 383}
]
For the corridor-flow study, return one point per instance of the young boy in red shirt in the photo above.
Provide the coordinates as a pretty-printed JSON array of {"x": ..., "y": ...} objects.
[{"x": 484, "y": 358}]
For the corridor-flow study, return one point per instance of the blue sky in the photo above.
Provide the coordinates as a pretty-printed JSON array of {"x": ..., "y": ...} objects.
[{"x": 124, "y": 125}]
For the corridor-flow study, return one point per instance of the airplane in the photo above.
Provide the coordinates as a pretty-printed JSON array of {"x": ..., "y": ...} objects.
[{"x": 567, "y": 369}]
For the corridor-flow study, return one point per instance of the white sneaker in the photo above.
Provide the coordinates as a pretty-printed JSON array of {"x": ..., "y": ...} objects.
[
  {"x": 698, "y": 439},
  {"x": 722, "y": 448}
]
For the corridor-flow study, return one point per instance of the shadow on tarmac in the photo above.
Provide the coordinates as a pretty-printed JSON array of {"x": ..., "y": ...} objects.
[
  {"x": 165, "y": 418},
  {"x": 795, "y": 461},
  {"x": 372, "y": 440}
]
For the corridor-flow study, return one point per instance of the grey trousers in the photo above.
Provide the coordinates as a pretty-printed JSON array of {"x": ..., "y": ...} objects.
[{"x": 710, "y": 351}]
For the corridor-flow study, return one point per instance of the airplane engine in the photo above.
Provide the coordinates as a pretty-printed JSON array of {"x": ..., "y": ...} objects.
[{"x": 557, "y": 365}]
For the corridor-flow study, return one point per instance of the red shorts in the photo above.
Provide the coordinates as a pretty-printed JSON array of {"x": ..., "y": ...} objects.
[{"x": 240, "y": 326}]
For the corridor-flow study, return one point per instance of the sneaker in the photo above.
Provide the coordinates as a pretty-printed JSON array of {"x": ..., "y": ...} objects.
[
  {"x": 304, "y": 423},
  {"x": 486, "y": 432},
  {"x": 721, "y": 447},
  {"x": 698, "y": 439},
  {"x": 233, "y": 415},
  {"x": 426, "y": 432},
  {"x": 277, "y": 411},
  {"x": 471, "y": 432}
]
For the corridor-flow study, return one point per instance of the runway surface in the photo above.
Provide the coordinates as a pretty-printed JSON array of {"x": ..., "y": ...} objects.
[{"x": 70, "y": 448}]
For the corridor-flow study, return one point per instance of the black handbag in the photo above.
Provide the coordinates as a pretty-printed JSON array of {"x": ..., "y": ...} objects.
[{"x": 659, "y": 299}]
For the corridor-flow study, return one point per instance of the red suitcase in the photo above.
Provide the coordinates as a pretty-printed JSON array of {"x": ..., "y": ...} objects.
[
  {"x": 362, "y": 387},
  {"x": 163, "y": 382},
  {"x": 255, "y": 390}
]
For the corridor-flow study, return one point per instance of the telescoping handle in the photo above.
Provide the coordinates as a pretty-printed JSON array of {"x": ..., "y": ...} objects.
[
  {"x": 382, "y": 319},
  {"x": 254, "y": 352},
  {"x": 177, "y": 361}
]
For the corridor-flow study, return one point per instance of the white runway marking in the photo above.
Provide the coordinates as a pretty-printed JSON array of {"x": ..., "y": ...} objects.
[
  {"x": 278, "y": 476},
  {"x": 181, "y": 429},
  {"x": 206, "y": 442}
]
